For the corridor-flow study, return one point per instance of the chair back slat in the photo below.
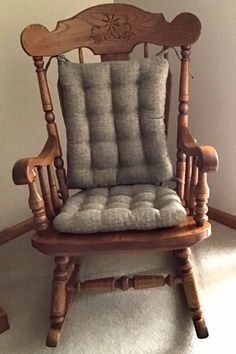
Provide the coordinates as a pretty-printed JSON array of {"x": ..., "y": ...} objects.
[
  {"x": 193, "y": 184},
  {"x": 45, "y": 193},
  {"x": 188, "y": 174},
  {"x": 53, "y": 188},
  {"x": 145, "y": 50},
  {"x": 115, "y": 56},
  {"x": 81, "y": 55}
]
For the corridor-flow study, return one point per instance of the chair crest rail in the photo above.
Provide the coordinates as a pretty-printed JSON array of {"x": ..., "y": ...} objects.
[{"x": 110, "y": 28}]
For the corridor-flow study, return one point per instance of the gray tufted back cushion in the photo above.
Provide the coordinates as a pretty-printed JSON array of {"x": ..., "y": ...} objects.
[{"x": 113, "y": 113}]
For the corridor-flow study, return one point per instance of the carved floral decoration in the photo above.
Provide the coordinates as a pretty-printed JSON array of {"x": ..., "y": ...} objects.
[{"x": 113, "y": 27}]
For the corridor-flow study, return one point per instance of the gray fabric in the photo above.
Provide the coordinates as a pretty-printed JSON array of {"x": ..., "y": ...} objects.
[
  {"x": 113, "y": 113},
  {"x": 137, "y": 207}
]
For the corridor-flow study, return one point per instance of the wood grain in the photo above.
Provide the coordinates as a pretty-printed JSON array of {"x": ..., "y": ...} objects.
[
  {"x": 51, "y": 126},
  {"x": 182, "y": 119},
  {"x": 186, "y": 234},
  {"x": 110, "y": 28},
  {"x": 15, "y": 231}
]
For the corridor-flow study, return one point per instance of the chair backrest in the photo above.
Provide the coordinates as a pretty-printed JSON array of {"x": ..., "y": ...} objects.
[{"x": 112, "y": 31}]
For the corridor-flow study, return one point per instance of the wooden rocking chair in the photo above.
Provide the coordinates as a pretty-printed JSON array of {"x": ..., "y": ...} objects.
[{"x": 112, "y": 31}]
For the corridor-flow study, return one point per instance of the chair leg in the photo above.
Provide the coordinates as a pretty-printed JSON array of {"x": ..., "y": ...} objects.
[
  {"x": 186, "y": 271},
  {"x": 65, "y": 272}
]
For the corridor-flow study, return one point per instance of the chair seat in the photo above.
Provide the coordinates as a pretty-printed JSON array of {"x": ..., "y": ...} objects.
[
  {"x": 119, "y": 208},
  {"x": 54, "y": 243}
]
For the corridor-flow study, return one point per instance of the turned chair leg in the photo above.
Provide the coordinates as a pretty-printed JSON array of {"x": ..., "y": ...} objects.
[
  {"x": 65, "y": 272},
  {"x": 186, "y": 271}
]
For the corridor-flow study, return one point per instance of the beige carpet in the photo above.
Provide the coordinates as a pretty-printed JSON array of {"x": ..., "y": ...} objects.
[{"x": 138, "y": 322}]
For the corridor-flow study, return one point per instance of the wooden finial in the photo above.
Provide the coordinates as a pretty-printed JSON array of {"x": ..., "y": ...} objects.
[{"x": 124, "y": 283}]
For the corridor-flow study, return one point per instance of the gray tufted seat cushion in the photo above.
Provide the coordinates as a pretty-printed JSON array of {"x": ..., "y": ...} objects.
[
  {"x": 136, "y": 207},
  {"x": 114, "y": 113}
]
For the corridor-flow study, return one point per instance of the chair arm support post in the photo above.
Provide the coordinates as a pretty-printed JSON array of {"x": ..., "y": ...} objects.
[
  {"x": 202, "y": 194},
  {"x": 36, "y": 204},
  {"x": 23, "y": 170}
]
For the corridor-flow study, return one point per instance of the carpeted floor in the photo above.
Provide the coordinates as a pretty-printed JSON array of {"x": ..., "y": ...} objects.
[{"x": 138, "y": 322}]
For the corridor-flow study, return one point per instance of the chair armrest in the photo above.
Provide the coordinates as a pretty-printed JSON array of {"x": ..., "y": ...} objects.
[
  {"x": 207, "y": 157},
  {"x": 23, "y": 170}
]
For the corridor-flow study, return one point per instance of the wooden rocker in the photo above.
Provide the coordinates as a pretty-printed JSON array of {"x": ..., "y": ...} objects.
[
  {"x": 116, "y": 117},
  {"x": 4, "y": 324}
]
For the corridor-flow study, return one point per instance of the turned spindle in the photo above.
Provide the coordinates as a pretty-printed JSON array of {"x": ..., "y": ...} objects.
[
  {"x": 36, "y": 204},
  {"x": 124, "y": 283},
  {"x": 51, "y": 125},
  {"x": 53, "y": 189},
  {"x": 61, "y": 177},
  {"x": 202, "y": 193},
  {"x": 183, "y": 117}
]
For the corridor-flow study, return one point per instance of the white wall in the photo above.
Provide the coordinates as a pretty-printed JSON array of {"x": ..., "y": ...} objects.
[
  {"x": 213, "y": 90},
  {"x": 22, "y": 129}
]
